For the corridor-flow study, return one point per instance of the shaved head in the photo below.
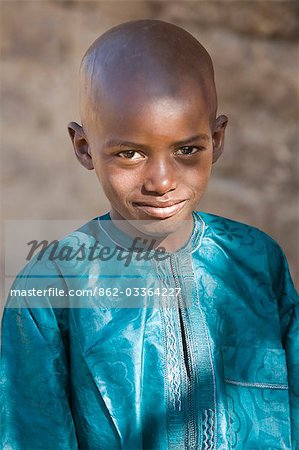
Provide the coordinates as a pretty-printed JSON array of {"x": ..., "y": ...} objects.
[{"x": 141, "y": 60}]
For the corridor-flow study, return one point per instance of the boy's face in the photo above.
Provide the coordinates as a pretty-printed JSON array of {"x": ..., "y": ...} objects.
[{"x": 152, "y": 156}]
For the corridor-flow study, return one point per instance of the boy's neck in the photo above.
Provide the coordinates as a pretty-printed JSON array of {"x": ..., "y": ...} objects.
[{"x": 171, "y": 242}]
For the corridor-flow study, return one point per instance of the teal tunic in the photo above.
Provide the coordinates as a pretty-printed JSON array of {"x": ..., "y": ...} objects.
[{"x": 199, "y": 350}]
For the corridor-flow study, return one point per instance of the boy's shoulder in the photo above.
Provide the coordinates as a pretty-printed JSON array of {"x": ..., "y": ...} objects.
[
  {"x": 50, "y": 261},
  {"x": 49, "y": 255},
  {"x": 41, "y": 285},
  {"x": 245, "y": 245},
  {"x": 235, "y": 232},
  {"x": 220, "y": 222}
]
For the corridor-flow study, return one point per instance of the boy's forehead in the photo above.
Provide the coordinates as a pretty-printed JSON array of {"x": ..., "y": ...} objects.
[{"x": 142, "y": 60}]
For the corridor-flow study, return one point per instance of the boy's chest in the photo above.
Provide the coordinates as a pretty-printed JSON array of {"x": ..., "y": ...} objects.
[
  {"x": 175, "y": 360},
  {"x": 171, "y": 355}
]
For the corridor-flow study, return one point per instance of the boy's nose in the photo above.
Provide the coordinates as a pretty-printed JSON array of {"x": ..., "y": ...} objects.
[{"x": 160, "y": 177}]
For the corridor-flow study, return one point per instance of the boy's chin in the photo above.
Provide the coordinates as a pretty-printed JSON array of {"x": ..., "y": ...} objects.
[{"x": 155, "y": 228}]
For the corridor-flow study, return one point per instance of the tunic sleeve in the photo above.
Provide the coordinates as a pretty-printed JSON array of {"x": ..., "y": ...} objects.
[
  {"x": 288, "y": 304},
  {"x": 36, "y": 412}
]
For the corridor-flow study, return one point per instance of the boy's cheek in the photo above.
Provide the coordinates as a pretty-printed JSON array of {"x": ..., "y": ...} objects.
[{"x": 116, "y": 192}]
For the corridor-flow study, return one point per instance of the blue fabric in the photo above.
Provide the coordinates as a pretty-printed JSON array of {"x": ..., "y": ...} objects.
[{"x": 103, "y": 372}]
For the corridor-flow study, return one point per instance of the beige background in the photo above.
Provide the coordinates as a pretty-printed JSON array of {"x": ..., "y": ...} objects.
[{"x": 254, "y": 46}]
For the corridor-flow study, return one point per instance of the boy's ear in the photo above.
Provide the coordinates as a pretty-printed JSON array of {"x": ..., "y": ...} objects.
[
  {"x": 218, "y": 136},
  {"x": 80, "y": 144}
]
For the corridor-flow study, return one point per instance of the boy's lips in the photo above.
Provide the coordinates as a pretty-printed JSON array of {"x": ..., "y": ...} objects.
[{"x": 161, "y": 210}]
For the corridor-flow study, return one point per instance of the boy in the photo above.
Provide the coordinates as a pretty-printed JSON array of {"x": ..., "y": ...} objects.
[{"x": 195, "y": 345}]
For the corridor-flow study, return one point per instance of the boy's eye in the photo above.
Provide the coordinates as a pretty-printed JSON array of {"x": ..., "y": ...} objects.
[
  {"x": 188, "y": 150},
  {"x": 130, "y": 154}
]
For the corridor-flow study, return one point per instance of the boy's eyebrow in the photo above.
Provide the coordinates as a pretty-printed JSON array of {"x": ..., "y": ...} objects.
[
  {"x": 197, "y": 137},
  {"x": 190, "y": 140}
]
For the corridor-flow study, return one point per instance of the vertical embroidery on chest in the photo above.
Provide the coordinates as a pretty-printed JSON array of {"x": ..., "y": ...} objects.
[
  {"x": 172, "y": 361},
  {"x": 208, "y": 429},
  {"x": 169, "y": 317},
  {"x": 205, "y": 370}
]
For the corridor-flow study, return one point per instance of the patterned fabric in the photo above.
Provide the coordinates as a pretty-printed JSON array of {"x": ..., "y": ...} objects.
[{"x": 214, "y": 367}]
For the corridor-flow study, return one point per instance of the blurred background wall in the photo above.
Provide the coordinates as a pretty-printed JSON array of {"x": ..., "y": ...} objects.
[{"x": 254, "y": 46}]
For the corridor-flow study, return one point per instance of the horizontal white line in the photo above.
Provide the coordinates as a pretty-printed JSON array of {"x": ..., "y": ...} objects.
[{"x": 259, "y": 385}]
